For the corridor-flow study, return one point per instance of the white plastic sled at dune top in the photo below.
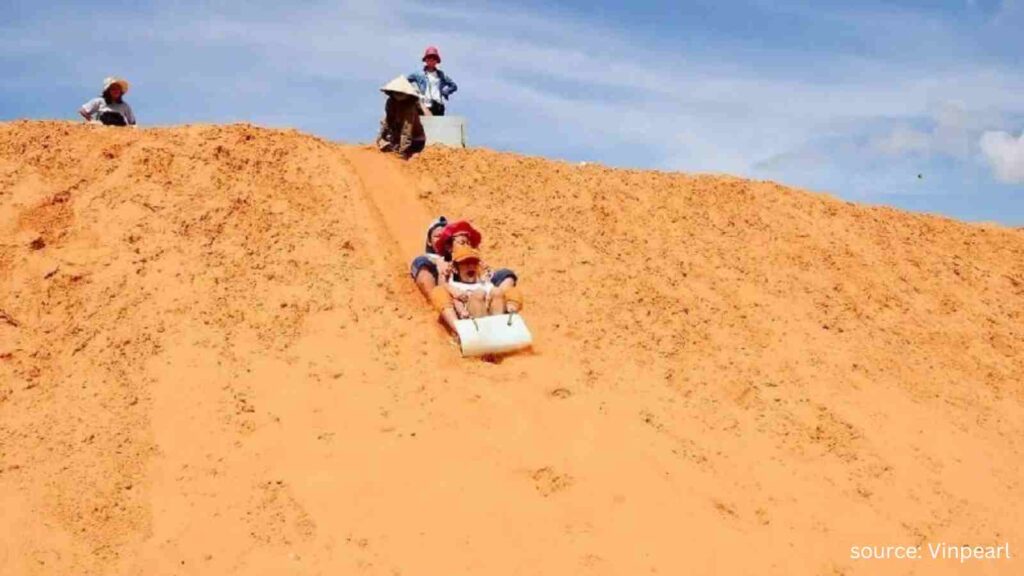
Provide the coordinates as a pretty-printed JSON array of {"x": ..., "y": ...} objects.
[{"x": 493, "y": 335}]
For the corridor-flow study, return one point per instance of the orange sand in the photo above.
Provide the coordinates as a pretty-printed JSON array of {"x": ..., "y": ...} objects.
[{"x": 212, "y": 361}]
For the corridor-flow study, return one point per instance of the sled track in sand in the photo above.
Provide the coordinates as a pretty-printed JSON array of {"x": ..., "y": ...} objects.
[{"x": 212, "y": 361}]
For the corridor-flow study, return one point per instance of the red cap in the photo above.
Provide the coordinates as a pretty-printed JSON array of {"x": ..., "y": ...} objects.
[
  {"x": 449, "y": 232},
  {"x": 432, "y": 51}
]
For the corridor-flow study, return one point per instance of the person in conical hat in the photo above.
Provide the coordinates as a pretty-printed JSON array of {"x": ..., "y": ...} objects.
[
  {"x": 434, "y": 85},
  {"x": 110, "y": 108},
  {"x": 401, "y": 130},
  {"x": 400, "y": 87}
]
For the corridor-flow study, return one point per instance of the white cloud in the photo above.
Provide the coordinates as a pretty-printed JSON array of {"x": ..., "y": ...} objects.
[
  {"x": 950, "y": 130},
  {"x": 1005, "y": 154}
]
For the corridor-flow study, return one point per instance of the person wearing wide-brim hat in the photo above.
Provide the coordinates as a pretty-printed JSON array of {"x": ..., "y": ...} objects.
[
  {"x": 110, "y": 108},
  {"x": 434, "y": 85},
  {"x": 401, "y": 130}
]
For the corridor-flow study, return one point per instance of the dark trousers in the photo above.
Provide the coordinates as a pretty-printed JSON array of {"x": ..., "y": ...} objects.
[
  {"x": 437, "y": 108},
  {"x": 415, "y": 147}
]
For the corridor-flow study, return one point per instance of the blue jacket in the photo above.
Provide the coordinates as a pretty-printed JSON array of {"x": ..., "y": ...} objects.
[{"x": 419, "y": 78}]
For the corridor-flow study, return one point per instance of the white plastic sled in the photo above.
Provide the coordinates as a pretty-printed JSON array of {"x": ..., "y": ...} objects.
[{"x": 493, "y": 335}]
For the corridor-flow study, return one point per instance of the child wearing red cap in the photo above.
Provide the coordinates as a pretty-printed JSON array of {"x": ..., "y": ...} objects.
[{"x": 462, "y": 233}]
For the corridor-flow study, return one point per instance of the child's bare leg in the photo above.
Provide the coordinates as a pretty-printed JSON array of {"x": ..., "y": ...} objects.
[
  {"x": 445, "y": 305},
  {"x": 497, "y": 305},
  {"x": 477, "y": 304},
  {"x": 450, "y": 318},
  {"x": 510, "y": 306},
  {"x": 425, "y": 281}
]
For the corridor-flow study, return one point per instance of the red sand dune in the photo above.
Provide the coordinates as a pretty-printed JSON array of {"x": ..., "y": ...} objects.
[{"x": 212, "y": 361}]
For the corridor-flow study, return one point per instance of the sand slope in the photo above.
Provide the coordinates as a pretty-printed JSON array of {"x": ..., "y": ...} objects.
[{"x": 212, "y": 361}]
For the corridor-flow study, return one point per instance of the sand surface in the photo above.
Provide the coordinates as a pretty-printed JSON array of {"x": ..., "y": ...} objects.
[{"x": 212, "y": 361}]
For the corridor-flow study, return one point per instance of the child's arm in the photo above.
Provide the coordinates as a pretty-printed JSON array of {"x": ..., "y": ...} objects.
[
  {"x": 444, "y": 268},
  {"x": 459, "y": 297},
  {"x": 457, "y": 293}
]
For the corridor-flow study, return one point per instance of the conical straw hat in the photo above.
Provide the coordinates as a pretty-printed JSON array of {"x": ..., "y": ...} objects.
[{"x": 400, "y": 85}]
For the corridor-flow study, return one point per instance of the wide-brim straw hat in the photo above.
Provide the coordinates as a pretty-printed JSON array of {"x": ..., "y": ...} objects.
[
  {"x": 107, "y": 83},
  {"x": 400, "y": 85}
]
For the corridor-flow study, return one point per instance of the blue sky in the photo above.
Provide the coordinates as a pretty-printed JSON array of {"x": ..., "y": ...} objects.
[{"x": 851, "y": 98}]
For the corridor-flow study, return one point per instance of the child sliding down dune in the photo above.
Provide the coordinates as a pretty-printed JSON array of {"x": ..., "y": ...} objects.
[
  {"x": 472, "y": 296},
  {"x": 464, "y": 292}
]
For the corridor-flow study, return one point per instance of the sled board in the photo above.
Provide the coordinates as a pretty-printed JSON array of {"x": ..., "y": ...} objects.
[{"x": 493, "y": 335}]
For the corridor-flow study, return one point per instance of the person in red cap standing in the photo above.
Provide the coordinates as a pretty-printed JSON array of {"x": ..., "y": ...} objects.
[{"x": 434, "y": 85}]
